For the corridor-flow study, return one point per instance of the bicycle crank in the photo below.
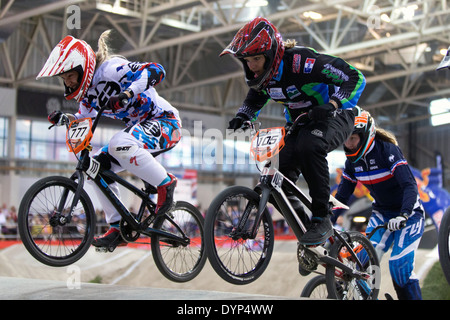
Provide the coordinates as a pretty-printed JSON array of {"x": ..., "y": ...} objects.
[{"x": 306, "y": 258}]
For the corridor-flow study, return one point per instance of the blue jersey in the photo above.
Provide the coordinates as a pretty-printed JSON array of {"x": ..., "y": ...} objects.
[{"x": 384, "y": 171}]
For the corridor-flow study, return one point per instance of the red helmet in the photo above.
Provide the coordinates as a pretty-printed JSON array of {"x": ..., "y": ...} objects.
[
  {"x": 71, "y": 54},
  {"x": 258, "y": 36},
  {"x": 365, "y": 128}
]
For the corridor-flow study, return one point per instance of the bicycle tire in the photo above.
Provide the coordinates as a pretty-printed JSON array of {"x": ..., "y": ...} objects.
[
  {"x": 177, "y": 262},
  {"x": 444, "y": 244},
  {"x": 316, "y": 288},
  {"x": 237, "y": 261},
  {"x": 51, "y": 243},
  {"x": 344, "y": 286}
]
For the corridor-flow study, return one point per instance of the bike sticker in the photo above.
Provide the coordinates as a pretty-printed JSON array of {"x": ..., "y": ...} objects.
[
  {"x": 94, "y": 168},
  {"x": 277, "y": 180}
]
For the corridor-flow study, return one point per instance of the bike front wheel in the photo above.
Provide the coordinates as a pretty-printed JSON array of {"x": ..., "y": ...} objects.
[
  {"x": 237, "y": 257},
  {"x": 444, "y": 244},
  {"x": 48, "y": 231},
  {"x": 177, "y": 261},
  {"x": 343, "y": 285}
]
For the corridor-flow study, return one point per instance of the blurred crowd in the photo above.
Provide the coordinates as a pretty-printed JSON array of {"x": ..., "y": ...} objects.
[{"x": 8, "y": 221}]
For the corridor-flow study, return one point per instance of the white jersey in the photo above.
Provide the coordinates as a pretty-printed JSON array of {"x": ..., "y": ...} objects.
[{"x": 116, "y": 75}]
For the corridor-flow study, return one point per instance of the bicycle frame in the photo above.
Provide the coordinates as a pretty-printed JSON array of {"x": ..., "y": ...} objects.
[
  {"x": 273, "y": 183},
  {"x": 93, "y": 169}
]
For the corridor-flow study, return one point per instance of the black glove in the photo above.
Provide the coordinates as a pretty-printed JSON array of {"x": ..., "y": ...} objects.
[
  {"x": 321, "y": 112},
  {"x": 58, "y": 118},
  {"x": 236, "y": 123},
  {"x": 117, "y": 102}
]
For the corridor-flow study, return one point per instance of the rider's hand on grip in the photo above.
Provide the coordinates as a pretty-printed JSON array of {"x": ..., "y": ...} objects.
[
  {"x": 117, "y": 102},
  {"x": 397, "y": 223},
  {"x": 58, "y": 118},
  {"x": 321, "y": 112},
  {"x": 237, "y": 122}
]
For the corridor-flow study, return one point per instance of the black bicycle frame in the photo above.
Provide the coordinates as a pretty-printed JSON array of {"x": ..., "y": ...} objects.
[
  {"x": 273, "y": 183},
  {"x": 98, "y": 175}
]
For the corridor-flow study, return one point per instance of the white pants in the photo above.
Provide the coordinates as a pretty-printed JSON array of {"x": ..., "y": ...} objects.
[{"x": 133, "y": 148}]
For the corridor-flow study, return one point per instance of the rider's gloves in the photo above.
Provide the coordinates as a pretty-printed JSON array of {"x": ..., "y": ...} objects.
[
  {"x": 322, "y": 112},
  {"x": 58, "y": 118},
  {"x": 236, "y": 122},
  {"x": 117, "y": 102},
  {"x": 398, "y": 222}
]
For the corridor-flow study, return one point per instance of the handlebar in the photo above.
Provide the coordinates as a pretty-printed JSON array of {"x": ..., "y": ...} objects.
[
  {"x": 94, "y": 124},
  {"x": 382, "y": 226},
  {"x": 301, "y": 119}
]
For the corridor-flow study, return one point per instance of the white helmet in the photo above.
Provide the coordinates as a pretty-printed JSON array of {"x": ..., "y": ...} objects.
[{"x": 71, "y": 54}]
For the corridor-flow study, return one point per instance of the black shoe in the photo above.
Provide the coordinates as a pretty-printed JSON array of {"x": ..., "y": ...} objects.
[
  {"x": 321, "y": 229},
  {"x": 110, "y": 240}
]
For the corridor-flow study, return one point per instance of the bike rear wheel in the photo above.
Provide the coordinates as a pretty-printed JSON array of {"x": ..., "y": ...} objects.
[
  {"x": 344, "y": 286},
  {"x": 46, "y": 233},
  {"x": 444, "y": 244},
  {"x": 237, "y": 258},
  {"x": 178, "y": 262}
]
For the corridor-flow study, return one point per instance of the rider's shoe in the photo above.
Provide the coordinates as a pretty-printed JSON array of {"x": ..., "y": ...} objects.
[
  {"x": 165, "y": 195},
  {"x": 321, "y": 229},
  {"x": 110, "y": 240}
]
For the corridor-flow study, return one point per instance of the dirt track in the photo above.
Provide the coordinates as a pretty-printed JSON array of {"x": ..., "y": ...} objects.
[{"x": 135, "y": 267}]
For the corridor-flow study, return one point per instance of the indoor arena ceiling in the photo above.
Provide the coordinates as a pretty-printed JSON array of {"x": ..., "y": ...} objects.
[{"x": 396, "y": 43}]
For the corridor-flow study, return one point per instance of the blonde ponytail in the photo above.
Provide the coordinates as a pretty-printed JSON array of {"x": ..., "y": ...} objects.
[
  {"x": 104, "y": 51},
  {"x": 288, "y": 44}
]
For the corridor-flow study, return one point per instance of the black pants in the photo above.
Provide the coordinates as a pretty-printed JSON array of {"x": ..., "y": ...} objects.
[{"x": 306, "y": 151}]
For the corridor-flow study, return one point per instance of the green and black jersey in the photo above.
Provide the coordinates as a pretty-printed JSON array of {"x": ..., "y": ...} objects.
[{"x": 306, "y": 79}]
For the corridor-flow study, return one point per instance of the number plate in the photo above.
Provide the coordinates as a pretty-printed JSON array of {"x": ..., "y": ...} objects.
[
  {"x": 267, "y": 143},
  {"x": 79, "y": 135}
]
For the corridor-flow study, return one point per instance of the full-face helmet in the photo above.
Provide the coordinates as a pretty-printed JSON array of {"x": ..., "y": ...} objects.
[
  {"x": 258, "y": 36},
  {"x": 71, "y": 54},
  {"x": 365, "y": 128}
]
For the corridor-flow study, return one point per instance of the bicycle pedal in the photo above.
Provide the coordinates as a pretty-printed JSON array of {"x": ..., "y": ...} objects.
[{"x": 105, "y": 249}]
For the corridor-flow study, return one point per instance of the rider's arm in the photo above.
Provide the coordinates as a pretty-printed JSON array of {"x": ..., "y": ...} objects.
[
  {"x": 85, "y": 110},
  {"x": 348, "y": 80},
  {"x": 405, "y": 178},
  {"x": 347, "y": 185},
  {"x": 253, "y": 104},
  {"x": 142, "y": 76}
]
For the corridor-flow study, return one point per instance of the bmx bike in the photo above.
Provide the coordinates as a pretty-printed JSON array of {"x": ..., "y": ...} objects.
[
  {"x": 57, "y": 220},
  {"x": 239, "y": 233}
]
